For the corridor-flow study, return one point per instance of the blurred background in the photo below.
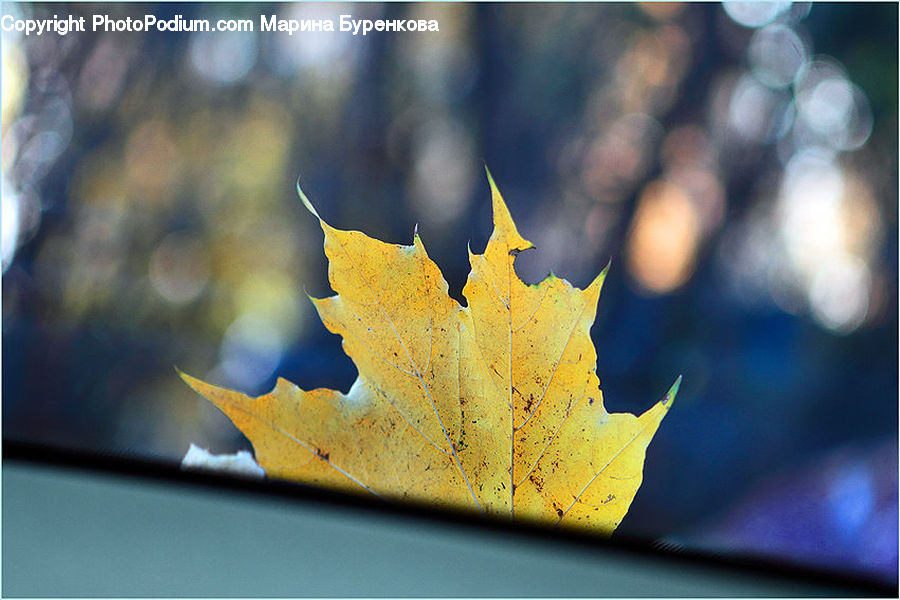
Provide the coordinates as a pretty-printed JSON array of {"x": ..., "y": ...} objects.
[{"x": 737, "y": 163}]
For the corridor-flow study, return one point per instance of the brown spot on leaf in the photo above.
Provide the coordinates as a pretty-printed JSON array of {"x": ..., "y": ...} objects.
[{"x": 529, "y": 403}]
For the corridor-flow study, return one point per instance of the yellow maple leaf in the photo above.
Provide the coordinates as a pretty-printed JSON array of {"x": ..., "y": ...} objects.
[{"x": 495, "y": 406}]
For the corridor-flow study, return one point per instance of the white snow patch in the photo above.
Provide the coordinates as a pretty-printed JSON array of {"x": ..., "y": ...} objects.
[{"x": 241, "y": 463}]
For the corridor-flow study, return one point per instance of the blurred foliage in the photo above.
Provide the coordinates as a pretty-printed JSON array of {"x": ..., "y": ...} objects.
[{"x": 738, "y": 163}]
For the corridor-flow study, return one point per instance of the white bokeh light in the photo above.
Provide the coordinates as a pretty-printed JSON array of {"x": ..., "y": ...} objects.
[
  {"x": 777, "y": 55},
  {"x": 839, "y": 294},
  {"x": 758, "y": 113},
  {"x": 221, "y": 57},
  {"x": 251, "y": 350},
  {"x": 755, "y": 14},
  {"x": 329, "y": 53},
  {"x": 810, "y": 209},
  {"x": 9, "y": 219}
]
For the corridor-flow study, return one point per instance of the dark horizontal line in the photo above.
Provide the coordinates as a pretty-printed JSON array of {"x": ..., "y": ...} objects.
[{"x": 140, "y": 467}]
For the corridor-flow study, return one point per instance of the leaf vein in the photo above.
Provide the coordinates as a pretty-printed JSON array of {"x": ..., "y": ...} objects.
[
  {"x": 306, "y": 447},
  {"x": 376, "y": 353},
  {"x": 415, "y": 368},
  {"x": 555, "y": 433},
  {"x": 555, "y": 369},
  {"x": 602, "y": 469},
  {"x": 528, "y": 320}
]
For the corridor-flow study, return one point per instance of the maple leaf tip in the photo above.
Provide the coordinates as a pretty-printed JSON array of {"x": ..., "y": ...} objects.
[
  {"x": 313, "y": 300},
  {"x": 503, "y": 222},
  {"x": 490, "y": 177},
  {"x": 191, "y": 381},
  {"x": 499, "y": 205},
  {"x": 673, "y": 391},
  {"x": 306, "y": 201},
  {"x": 599, "y": 279}
]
